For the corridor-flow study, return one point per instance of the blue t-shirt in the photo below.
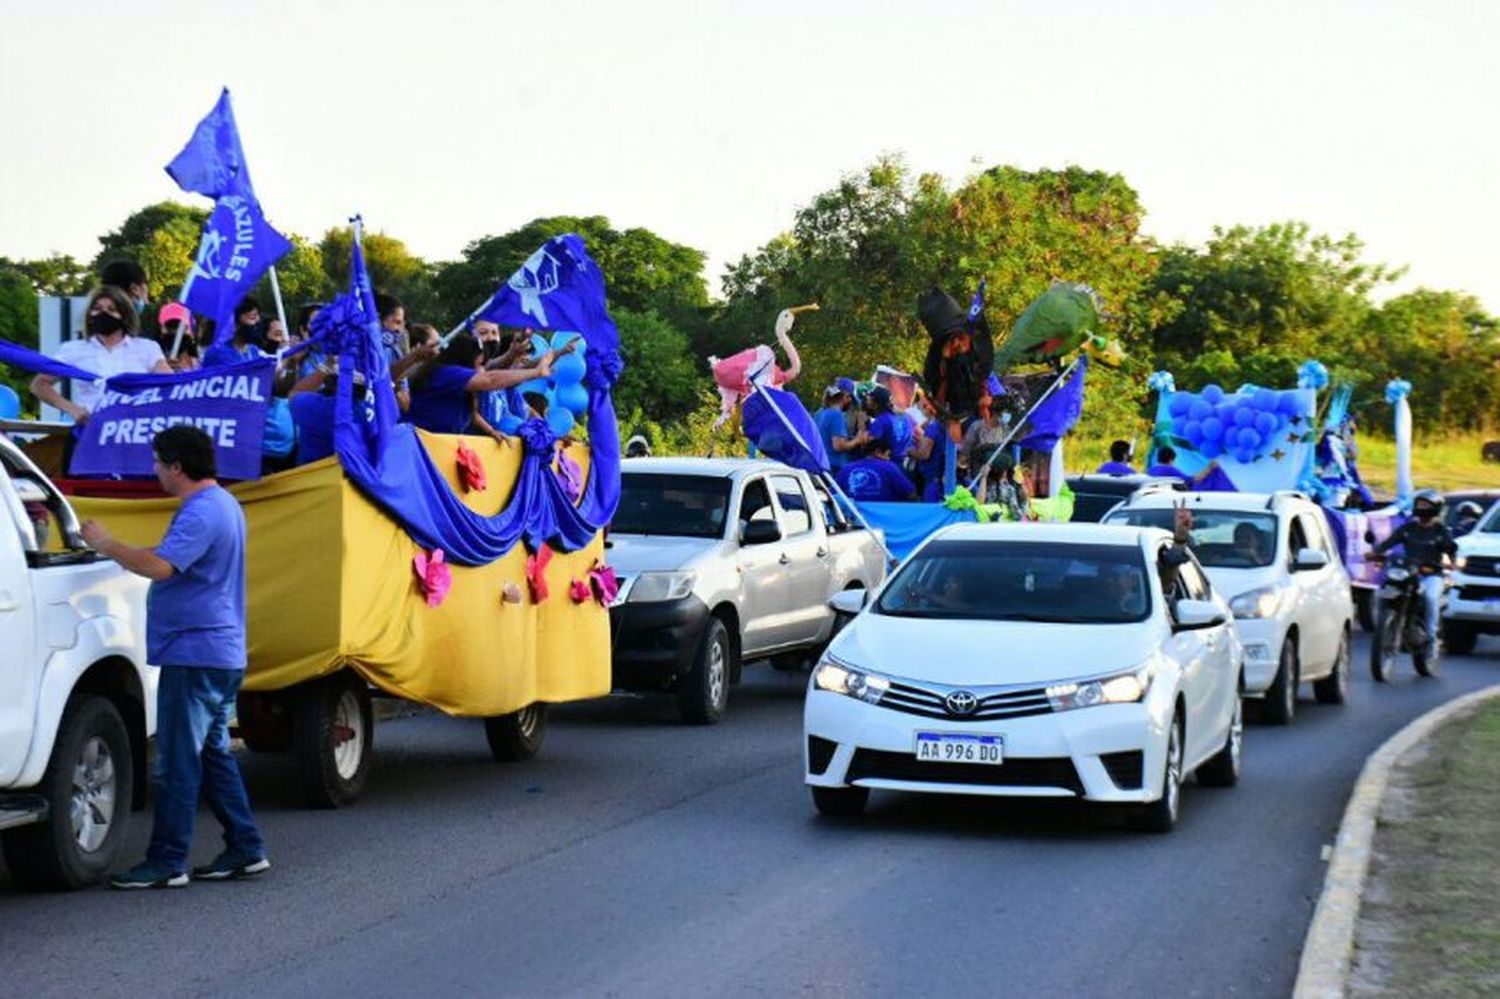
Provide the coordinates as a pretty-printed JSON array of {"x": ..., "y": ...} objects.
[
  {"x": 1169, "y": 472},
  {"x": 894, "y": 429},
  {"x": 226, "y": 353},
  {"x": 312, "y": 412},
  {"x": 831, "y": 424},
  {"x": 874, "y": 479},
  {"x": 196, "y": 616},
  {"x": 440, "y": 402},
  {"x": 931, "y": 467},
  {"x": 1115, "y": 468}
]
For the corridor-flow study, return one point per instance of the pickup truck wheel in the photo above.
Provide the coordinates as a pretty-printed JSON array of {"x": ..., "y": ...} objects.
[
  {"x": 1459, "y": 638},
  {"x": 517, "y": 736},
  {"x": 88, "y": 786},
  {"x": 703, "y": 694},
  {"x": 334, "y": 731}
]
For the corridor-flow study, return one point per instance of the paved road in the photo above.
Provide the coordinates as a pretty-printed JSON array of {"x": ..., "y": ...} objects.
[{"x": 638, "y": 857}]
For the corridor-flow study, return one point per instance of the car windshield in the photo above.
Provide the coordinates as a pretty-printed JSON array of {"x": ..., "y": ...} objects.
[
  {"x": 1490, "y": 523},
  {"x": 687, "y": 506},
  {"x": 1021, "y": 581},
  {"x": 1222, "y": 539}
]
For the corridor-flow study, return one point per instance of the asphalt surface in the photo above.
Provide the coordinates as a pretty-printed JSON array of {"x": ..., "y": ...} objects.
[{"x": 640, "y": 857}]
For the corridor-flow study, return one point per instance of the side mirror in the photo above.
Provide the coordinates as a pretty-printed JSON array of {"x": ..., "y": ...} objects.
[
  {"x": 760, "y": 532},
  {"x": 1195, "y": 615},
  {"x": 1309, "y": 559},
  {"x": 849, "y": 602}
]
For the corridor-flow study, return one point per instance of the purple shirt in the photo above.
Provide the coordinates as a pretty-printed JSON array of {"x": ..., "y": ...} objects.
[
  {"x": 440, "y": 402},
  {"x": 874, "y": 480},
  {"x": 196, "y": 616}
]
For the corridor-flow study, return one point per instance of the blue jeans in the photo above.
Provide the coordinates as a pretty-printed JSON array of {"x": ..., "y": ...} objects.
[
  {"x": 193, "y": 705},
  {"x": 1432, "y": 598}
]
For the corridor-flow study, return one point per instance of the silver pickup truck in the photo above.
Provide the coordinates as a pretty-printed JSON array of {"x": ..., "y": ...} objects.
[{"x": 722, "y": 561}]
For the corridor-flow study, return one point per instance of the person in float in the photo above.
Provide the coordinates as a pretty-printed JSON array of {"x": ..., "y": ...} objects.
[
  {"x": 833, "y": 422},
  {"x": 110, "y": 347},
  {"x": 1119, "y": 460},
  {"x": 442, "y": 394},
  {"x": 1166, "y": 468},
  {"x": 129, "y": 277},
  {"x": 875, "y": 477},
  {"x": 177, "y": 339}
]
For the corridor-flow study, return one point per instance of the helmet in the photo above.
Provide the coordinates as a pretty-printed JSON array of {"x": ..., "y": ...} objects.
[
  {"x": 1468, "y": 510},
  {"x": 1427, "y": 501}
]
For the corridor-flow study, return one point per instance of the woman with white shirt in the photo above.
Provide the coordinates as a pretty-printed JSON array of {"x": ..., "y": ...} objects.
[{"x": 110, "y": 348}]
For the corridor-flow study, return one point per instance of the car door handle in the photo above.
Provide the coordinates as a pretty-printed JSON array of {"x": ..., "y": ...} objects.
[{"x": 785, "y": 558}]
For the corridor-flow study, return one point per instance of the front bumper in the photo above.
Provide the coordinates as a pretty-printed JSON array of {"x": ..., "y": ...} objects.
[
  {"x": 1475, "y": 599},
  {"x": 1068, "y": 754},
  {"x": 1262, "y": 638},
  {"x": 655, "y": 643}
]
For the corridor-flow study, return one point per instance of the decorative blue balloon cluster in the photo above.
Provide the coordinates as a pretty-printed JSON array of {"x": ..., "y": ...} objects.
[
  {"x": 1397, "y": 389},
  {"x": 1312, "y": 375},
  {"x": 10, "y": 403},
  {"x": 1243, "y": 426},
  {"x": 1162, "y": 383},
  {"x": 567, "y": 397}
]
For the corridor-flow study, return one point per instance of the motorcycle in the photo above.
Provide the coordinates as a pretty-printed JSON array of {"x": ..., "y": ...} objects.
[{"x": 1401, "y": 622}]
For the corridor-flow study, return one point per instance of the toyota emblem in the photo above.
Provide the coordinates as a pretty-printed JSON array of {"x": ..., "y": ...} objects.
[{"x": 961, "y": 702}]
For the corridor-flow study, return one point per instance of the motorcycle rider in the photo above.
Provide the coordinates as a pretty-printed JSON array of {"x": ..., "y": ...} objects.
[{"x": 1427, "y": 540}]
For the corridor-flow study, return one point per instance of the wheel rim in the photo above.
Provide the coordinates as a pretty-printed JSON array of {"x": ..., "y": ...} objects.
[
  {"x": 716, "y": 672},
  {"x": 1174, "y": 769},
  {"x": 92, "y": 805},
  {"x": 348, "y": 735},
  {"x": 528, "y": 719},
  {"x": 1237, "y": 732}
]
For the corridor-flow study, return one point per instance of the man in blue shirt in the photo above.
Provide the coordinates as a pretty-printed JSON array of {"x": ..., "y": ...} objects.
[
  {"x": 195, "y": 631},
  {"x": 1119, "y": 460},
  {"x": 833, "y": 424},
  {"x": 1166, "y": 469},
  {"x": 875, "y": 478}
]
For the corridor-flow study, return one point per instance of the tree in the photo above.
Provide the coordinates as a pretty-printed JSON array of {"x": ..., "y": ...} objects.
[
  {"x": 162, "y": 237},
  {"x": 661, "y": 380},
  {"x": 1447, "y": 346},
  {"x": 393, "y": 268}
]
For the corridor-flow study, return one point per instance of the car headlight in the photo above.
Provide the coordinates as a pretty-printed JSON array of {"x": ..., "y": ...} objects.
[
  {"x": 836, "y": 678},
  {"x": 1123, "y": 688},
  {"x": 655, "y": 587},
  {"x": 1264, "y": 602},
  {"x": 1460, "y": 561}
]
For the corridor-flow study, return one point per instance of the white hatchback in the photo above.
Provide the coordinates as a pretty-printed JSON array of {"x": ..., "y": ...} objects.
[
  {"x": 1031, "y": 660},
  {"x": 1273, "y": 558}
]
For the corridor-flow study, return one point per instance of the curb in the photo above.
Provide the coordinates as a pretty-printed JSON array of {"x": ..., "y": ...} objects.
[{"x": 1328, "y": 950}]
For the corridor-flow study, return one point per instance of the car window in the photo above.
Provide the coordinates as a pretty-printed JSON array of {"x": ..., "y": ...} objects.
[
  {"x": 1221, "y": 539},
  {"x": 1316, "y": 530},
  {"x": 1297, "y": 537},
  {"x": 1194, "y": 583},
  {"x": 689, "y": 506},
  {"x": 795, "y": 511},
  {"x": 755, "y": 502}
]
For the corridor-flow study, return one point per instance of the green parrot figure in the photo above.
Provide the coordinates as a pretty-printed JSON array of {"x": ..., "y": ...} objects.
[{"x": 1062, "y": 319}]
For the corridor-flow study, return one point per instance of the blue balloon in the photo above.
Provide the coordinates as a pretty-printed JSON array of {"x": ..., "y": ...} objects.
[
  {"x": 1244, "y": 416},
  {"x": 509, "y": 424},
  {"x": 1211, "y": 449},
  {"x": 1244, "y": 456},
  {"x": 1179, "y": 405},
  {"x": 1264, "y": 399},
  {"x": 1200, "y": 410},
  {"x": 1212, "y": 393},
  {"x": 569, "y": 369},
  {"x": 1248, "y": 438},
  {"x": 562, "y": 338},
  {"x": 1213, "y": 429},
  {"x": 560, "y": 419},
  {"x": 574, "y": 398},
  {"x": 1266, "y": 424},
  {"x": 1289, "y": 404},
  {"x": 1192, "y": 432},
  {"x": 10, "y": 403},
  {"x": 539, "y": 345}
]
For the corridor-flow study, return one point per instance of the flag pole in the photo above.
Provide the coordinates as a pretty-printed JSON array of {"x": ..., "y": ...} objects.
[{"x": 1067, "y": 372}]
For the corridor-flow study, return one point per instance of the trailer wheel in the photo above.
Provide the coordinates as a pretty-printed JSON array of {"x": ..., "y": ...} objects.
[
  {"x": 517, "y": 736},
  {"x": 334, "y": 739},
  {"x": 88, "y": 786}
]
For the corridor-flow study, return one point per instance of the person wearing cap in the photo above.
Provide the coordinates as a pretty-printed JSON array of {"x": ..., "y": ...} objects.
[
  {"x": 886, "y": 424},
  {"x": 637, "y": 447},
  {"x": 176, "y": 325},
  {"x": 833, "y": 422}
]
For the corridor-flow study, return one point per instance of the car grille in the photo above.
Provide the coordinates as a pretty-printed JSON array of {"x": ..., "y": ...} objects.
[
  {"x": 1127, "y": 770},
  {"x": 1479, "y": 593},
  {"x": 874, "y": 764},
  {"x": 928, "y": 702},
  {"x": 1482, "y": 565}
]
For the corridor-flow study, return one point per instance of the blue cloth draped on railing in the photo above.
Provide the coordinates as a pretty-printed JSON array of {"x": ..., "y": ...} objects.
[
  {"x": 386, "y": 459},
  {"x": 907, "y": 525}
]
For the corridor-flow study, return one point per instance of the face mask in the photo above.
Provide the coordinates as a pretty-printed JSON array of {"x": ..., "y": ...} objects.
[
  {"x": 492, "y": 349},
  {"x": 103, "y": 324},
  {"x": 140, "y": 306},
  {"x": 253, "y": 334}
]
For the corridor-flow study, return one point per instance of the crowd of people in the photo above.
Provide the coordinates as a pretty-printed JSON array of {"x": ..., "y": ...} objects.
[{"x": 468, "y": 385}]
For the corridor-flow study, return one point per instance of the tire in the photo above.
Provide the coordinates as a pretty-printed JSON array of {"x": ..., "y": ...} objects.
[
  {"x": 1334, "y": 688},
  {"x": 703, "y": 694},
  {"x": 88, "y": 785},
  {"x": 334, "y": 739},
  {"x": 1427, "y": 662},
  {"x": 840, "y": 802},
  {"x": 1280, "y": 705},
  {"x": 1223, "y": 768},
  {"x": 517, "y": 736},
  {"x": 1160, "y": 816},
  {"x": 1386, "y": 644},
  {"x": 1364, "y": 607},
  {"x": 1459, "y": 637}
]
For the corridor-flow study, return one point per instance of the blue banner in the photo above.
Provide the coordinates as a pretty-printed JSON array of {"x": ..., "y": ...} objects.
[
  {"x": 27, "y": 359},
  {"x": 781, "y": 428},
  {"x": 1055, "y": 415},
  {"x": 237, "y": 247},
  {"x": 213, "y": 162},
  {"x": 228, "y": 403}
]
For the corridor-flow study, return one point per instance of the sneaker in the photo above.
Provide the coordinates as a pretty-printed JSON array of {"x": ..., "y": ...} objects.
[
  {"x": 149, "y": 875},
  {"x": 229, "y": 866}
]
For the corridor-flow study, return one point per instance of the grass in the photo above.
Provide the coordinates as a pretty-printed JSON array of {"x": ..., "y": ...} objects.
[{"x": 1430, "y": 924}]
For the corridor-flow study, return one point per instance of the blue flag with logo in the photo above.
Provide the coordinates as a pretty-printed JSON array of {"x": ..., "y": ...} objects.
[
  {"x": 237, "y": 247},
  {"x": 213, "y": 162},
  {"x": 560, "y": 287}
]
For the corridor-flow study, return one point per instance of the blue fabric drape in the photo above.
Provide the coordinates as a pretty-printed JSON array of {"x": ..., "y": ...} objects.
[
  {"x": 907, "y": 525},
  {"x": 781, "y": 428},
  {"x": 29, "y": 360},
  {"x": 1055, "y": 416}
]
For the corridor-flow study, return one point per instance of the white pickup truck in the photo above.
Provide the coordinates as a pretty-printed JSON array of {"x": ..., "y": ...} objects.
[
  {"x": 722, "y": 561},
  {"x": 77, "y": 700}
]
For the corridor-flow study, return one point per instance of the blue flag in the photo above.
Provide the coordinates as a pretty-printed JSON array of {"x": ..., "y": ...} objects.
[
  {"x": 561, "y": 288},
  {"x": 1056, "y": 414},
  {"x": 27, "y": 359},
  {"x": 976, "y": 306},
  {"x": 237, "y": 247},
  {"x": 213, "y": 162},
  {"x": 349, "y": 327},
  {"x": 781, "y": 428}
]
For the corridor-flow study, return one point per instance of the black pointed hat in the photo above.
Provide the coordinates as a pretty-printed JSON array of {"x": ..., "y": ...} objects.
[{"x": 940, "y": 313}]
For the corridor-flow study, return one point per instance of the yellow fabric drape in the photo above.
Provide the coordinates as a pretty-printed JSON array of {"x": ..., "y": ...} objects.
[{"x": 329, "y": 584}]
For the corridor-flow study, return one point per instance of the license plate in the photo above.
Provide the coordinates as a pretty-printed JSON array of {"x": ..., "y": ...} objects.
[{"x": 950, "y": 747}]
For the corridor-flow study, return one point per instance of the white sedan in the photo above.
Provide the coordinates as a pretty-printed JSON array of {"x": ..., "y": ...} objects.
[{"x": 1033, "y": 660}]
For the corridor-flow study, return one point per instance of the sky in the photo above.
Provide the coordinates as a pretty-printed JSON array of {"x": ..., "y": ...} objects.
[{"x": 712, "y": 123}]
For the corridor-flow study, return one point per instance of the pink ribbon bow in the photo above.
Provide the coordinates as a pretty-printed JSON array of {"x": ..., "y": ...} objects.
[
  {"x": 536, "y": 573},
  {"x": 604, "y": 584},
  {"x": 470, "y": 470},
  {"x": 580, "y": 590},
  {"x": 434, "y": 578}
]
